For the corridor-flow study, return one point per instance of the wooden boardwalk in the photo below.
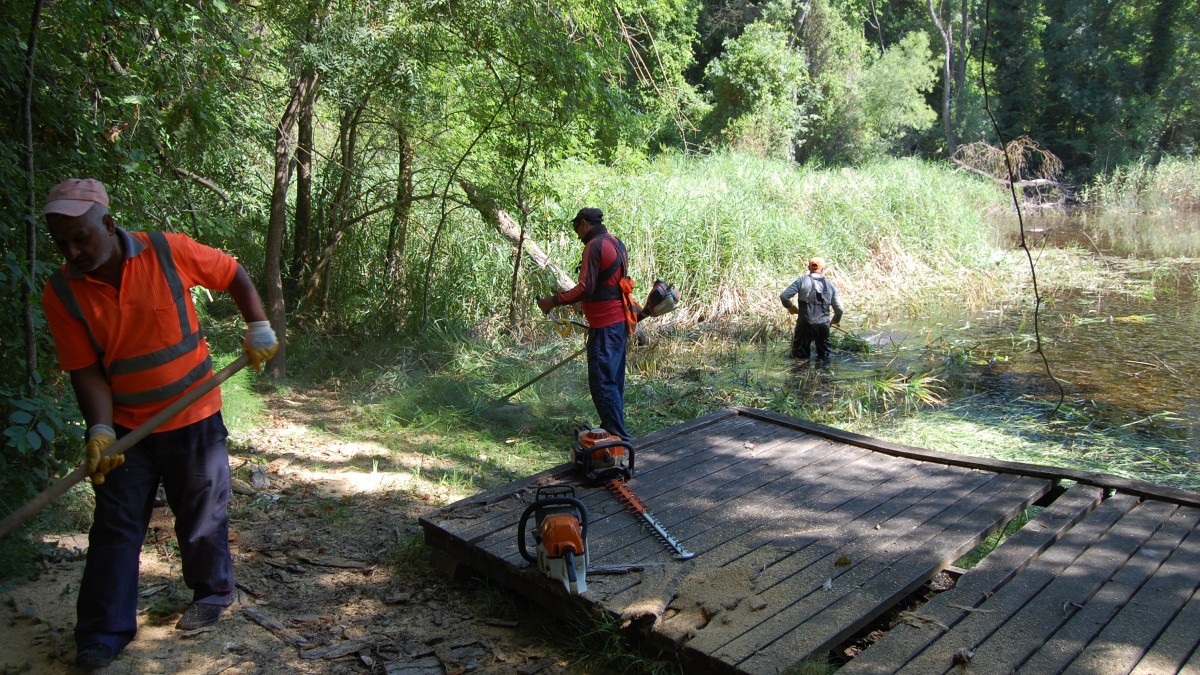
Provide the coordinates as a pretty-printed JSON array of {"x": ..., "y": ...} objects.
[{"x": 807, "y": 535}]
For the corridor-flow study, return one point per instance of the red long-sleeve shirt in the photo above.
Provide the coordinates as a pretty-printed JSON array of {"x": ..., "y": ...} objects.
[{"x": 600, "y": 253}]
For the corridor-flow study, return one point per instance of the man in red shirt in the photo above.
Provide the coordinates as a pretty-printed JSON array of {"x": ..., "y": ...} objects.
[
  {"x": 599, "y": 290},
  {"x": 126, "y": 330}
]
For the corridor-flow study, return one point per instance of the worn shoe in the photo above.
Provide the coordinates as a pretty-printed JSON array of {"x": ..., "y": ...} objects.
[
  {"x": 199, "y": 616},
  {"x": 95, "y": 656}
]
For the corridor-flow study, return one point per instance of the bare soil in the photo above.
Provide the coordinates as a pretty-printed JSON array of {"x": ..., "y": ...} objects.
[{"x": 331, "y": 574}]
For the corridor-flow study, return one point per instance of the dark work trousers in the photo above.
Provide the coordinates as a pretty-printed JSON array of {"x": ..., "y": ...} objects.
[
  {"x": 807, "y": 333},
  {"x": 193, "y": 464},
  {"x": 606, "y": 375}
]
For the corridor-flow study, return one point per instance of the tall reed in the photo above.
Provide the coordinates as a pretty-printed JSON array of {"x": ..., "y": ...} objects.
[
  {"x": 732, "y": 231},
  {"x": 1172, "y": 184}
]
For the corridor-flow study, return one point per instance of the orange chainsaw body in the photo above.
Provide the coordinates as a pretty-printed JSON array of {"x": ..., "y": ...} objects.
[{"x": 562, "y": 532}]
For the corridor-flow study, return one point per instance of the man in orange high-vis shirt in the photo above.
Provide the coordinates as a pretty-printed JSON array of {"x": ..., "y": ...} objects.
[{"x": 126, "y": 330}]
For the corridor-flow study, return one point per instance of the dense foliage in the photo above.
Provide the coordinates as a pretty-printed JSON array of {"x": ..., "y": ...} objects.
[{"x": 353, "y": 155}]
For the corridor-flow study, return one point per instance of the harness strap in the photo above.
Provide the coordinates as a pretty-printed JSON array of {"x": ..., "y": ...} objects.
[
  {"x": 188, "y": 343},
  {"x": 610, "y": 291}
]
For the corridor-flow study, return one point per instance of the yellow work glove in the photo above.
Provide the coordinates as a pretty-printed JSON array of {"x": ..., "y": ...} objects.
[
  {"x": 793, "y": 310},
  {"x": 100, "y": 438},
  {"x": 260, "y": 344}
]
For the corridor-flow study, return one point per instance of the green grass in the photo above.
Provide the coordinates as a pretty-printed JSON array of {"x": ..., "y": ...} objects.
[{"x": 241, "y": 406}]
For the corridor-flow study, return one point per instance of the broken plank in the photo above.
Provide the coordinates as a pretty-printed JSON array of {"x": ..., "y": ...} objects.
[{"x": 944, "y": 611}]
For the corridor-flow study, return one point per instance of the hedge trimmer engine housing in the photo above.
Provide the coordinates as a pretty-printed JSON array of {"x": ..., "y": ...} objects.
[
  {"x": 560, "y": 532},
  {"x": 600, "y": 456}
]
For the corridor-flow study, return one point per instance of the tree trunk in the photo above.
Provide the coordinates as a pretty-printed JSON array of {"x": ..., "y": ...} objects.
[
  {"x": 302, "y": 230},
  {"x": 316, "y": 289},
  {"x": 516, "y": 275},
  {"x": 511, "y": 230},
  {"x": 946, "y": 30},
  {"x": 960, "y": 65},
  {"x": 28, "y": 317},
  {"x": 304, "y": 88},
  {"x": 393, "y": 264}
]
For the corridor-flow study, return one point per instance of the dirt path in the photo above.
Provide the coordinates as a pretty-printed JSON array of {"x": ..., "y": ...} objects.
[{"x": 332, "y": 577}]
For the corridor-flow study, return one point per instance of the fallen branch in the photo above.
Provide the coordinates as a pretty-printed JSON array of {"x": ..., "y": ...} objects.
[
  {"x": 203, "y": 182},
  {"x": 337, "y": 650},
  {"x": 1034, "y": 182},
  {"x": 334, "y": 561},
  {"x": 510, "y": 230},
  {"x": 261, "y": 618}
]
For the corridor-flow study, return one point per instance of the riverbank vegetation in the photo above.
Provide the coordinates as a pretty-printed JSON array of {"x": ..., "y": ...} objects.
[{"x": 1170, "y": 185}]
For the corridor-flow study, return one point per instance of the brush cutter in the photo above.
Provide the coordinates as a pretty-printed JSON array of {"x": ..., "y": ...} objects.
[
  {"x": 604, "y": 458},
  {"x": 25, "y": 512},
  {"x": 662, "y": 300},
  {"x": 560, "y": 533}
]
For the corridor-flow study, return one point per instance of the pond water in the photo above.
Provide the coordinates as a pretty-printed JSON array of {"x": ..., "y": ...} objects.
[{"x": 1123, "y": 356}]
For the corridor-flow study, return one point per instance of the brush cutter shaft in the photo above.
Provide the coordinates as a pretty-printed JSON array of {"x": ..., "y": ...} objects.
[
  {"x": 546, "y": 372},
  {"x": 27, "y": 511}
]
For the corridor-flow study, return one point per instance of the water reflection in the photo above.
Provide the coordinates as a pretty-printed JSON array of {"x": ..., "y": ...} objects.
[{"x": 1140, "y": 236}]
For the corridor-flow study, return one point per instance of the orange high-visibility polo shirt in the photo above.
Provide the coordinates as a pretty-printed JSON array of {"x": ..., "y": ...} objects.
[{"x": 140, "y": 319}]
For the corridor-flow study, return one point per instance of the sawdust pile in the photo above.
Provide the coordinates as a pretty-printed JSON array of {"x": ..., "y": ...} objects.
[{"x": 722, "y": 602}]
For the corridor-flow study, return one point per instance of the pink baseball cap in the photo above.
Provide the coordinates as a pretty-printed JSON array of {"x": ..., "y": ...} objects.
[{"x": 74, "y": 196}]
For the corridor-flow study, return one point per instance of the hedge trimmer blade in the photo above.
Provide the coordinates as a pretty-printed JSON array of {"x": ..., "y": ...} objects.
[{"x": 636, "y": 506}]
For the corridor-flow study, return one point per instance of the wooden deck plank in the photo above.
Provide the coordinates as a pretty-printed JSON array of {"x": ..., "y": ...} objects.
[
  {"x": 897, "y": 570},
  {"x": 1179, "y": 641},
  {"x": 738, "y": 560},
  {"x": 608, "y": 519},
  {"x": 776, "y": 507},
  {"x": 1045, "y": 614},
  {"x": 503, "y": 511},
  {"x": 878, "y": 513},
  {"x": 770, "y": 485},
  {"x": 889, "y": 514},
  {"x": 1013, "y": 596},
  {"x": 1084, "y": 625},
  {"x": 704, "y": 494},
  {"x": 1124, "y": 639},
  {"x": 606, "y": 513},
  {"x": 707, "y": 473},
  {"x": 907, "y": 638},
  {"x": 703, "y": 531},
  {"x": 736, "y": 528}
]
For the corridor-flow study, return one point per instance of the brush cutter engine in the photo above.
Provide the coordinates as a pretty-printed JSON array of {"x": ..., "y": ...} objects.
[
  {"x": 662, "y": 300},
  {"x": 600, "y": 456},
  {"x": 560, "y": 532}
]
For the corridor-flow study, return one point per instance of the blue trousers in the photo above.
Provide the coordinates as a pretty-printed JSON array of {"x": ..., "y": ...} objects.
[
  {"x": 193, "y": 464},
  {"x": 606, "y": 375}
]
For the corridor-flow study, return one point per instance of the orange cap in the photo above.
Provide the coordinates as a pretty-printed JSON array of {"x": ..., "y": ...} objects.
[
  {"x": 74, "y": 196},
  {"x": 816, "y": 264}
]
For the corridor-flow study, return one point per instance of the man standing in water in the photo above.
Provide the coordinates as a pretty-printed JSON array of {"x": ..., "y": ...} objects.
[
  {"x": 125, "y": 328},
  {"x": 599, "y": 290},
  {"x": 817, "y": 295}
]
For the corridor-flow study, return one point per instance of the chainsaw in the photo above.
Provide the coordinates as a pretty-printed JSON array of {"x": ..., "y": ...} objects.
[
  {"x": 560, "y": 533},
  {"x": 605, "y": 459}
]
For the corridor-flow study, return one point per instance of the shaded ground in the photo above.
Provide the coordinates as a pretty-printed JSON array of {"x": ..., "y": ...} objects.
[{"x": 331, "y": 569}]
